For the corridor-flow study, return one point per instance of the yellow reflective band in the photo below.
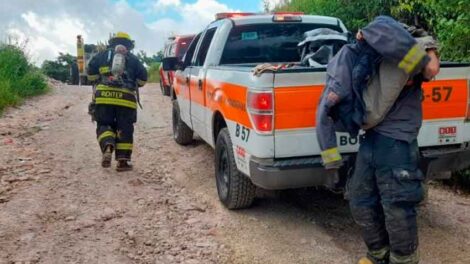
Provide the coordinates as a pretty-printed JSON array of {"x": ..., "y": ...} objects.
[
  {"x": 115, "y": 101},
  {"x": 111, "y": 94},
  {"x": 102, "y": 87},
  {"x": 124, "y": 146},
  {"x": 141, "y": 83},
  {"x": 330, "y": 155},
  {"x": 104, "y": 69},
  {"x": 106, "y": 134},
  {"x": 412, "y": 58},
  {"x": 93, "y": 77}
]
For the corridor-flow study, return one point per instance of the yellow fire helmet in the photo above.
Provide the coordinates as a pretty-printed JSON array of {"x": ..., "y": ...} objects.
[
  {"x": 122, "y": 38},
  {"x": 123, "y": 35}
]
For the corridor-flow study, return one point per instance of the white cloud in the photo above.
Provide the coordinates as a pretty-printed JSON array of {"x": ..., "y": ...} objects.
[
  {"x": 202, "y": 12},
  {"x": 194, "y": 17},
  {"x": 51, "y": 26},
  {"x": 162, "y": 5}
]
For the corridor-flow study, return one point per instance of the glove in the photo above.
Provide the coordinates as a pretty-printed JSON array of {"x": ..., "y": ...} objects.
[
  {"x": 265, "y": 67},
  {"x": 260, "y": 69},
  {"x": 331, "y": 159}
]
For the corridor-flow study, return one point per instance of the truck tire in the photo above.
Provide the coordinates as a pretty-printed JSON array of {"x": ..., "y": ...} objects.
[
  {"x": 182, "y": 134},
  {"x": 84, "y": 80},
  {"x": 162, "y": 89},
  {"x": 235, "y": 190},
  {"x": 74, "y": 74}
]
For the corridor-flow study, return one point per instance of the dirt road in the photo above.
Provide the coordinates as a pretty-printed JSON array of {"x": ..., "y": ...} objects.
[{"x": 57, "y": 205}]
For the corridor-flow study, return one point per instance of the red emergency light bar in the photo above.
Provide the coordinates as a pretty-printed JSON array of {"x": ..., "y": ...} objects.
[
  {"x": 219, "y": 16},
  {"x": 232, "y": 15}
]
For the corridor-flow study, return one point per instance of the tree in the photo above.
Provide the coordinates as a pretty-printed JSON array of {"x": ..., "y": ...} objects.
[
  {"x": 142, "y": 55},
  {"x": 159, "y": 56},
  {"x": 449, "y": 20},
  {"x": 59, "y": 69}
]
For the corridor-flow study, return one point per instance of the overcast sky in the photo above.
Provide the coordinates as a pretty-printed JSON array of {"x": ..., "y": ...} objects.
[{"x": 50, "y": 26}]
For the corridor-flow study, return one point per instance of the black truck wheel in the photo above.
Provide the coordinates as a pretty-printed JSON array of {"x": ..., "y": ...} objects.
[
  {"x": 162, "y": 89},
  {"x": 182, "y": 134},
  {"x": 235, "y": 190},
  {"x": 84, "y": 80},
  {"x": 74, "y": 74}
]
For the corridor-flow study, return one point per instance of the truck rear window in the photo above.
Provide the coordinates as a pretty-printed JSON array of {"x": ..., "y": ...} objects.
[{"x": 262, "y": 43}]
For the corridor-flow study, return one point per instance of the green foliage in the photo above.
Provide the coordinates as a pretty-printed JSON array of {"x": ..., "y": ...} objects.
[
  {"x": 142, "y": 55},
  {"x": 448, "y": 20},
  {"x": 59, "y": 69},
  {"x": 18, "y": 78},
  {"x": 153, "y": 71},
  {"x": 354, "y": 13}
]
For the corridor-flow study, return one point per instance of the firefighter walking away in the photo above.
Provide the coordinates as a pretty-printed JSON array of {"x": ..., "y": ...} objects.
[{"x": 117, "y": 75}]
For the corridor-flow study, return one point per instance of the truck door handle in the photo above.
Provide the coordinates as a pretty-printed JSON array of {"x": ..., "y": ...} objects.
[{"x": 199, "y": 84}]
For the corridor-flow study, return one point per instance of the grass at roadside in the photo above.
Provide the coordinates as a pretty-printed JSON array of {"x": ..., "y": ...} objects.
[
  {"x": 154, "y": 76},
  {"x": 18, "y": 77}
]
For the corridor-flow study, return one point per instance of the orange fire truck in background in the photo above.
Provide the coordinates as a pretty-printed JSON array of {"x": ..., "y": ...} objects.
[
  {"x": 176, "y": 46},
  {"x": 78, "y": 70}
]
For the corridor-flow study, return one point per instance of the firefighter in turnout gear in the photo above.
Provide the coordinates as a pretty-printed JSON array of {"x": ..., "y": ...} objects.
[{"x": 117, "y": 75}]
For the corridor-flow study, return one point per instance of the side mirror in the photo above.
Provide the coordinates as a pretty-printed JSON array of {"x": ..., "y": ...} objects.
[
  {"x": 171, "y": 64},
  {"x": 351, "y": 37}
]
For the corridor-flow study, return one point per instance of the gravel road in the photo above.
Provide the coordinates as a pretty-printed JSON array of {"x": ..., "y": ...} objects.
[{"x": 57, "y": 205}]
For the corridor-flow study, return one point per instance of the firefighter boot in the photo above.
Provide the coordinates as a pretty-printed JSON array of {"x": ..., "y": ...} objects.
[
  {"x": 124, "y": 165},
  {"x": 107, "y": 157}
]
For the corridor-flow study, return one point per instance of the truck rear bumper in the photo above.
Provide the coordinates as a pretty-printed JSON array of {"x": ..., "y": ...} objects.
[
  {"x": 306, "y": 172},
  {"x": 439, "y": 163},
  {"x": 290, "y": 173}
]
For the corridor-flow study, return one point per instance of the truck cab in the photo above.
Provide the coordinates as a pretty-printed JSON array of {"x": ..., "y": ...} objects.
[{"x": 176, "y": 46}]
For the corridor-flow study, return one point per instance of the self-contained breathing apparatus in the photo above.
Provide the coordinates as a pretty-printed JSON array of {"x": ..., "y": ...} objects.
[{"x": 113, "y": 73}]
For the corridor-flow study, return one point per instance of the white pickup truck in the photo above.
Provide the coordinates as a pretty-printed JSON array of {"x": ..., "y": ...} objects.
[{"x": 263, "y": 128}]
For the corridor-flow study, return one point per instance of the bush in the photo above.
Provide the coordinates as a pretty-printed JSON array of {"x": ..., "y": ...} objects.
[
  {"x": 18, "y": 77},
  {"x": 59, "y": 69},
  {"x": 153, "y": 72}
]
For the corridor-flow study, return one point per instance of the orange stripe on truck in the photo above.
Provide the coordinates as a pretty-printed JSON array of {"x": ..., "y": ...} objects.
[
  {"x": 229, "y": 99},
  {"x": 445, "y": 99},
  {"x": 295, "y": 107}
]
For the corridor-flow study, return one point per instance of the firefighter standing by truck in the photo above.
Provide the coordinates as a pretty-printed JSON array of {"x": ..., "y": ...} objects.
[
  {"x": 117, "y": 74},
  {"x": 386, "y": 185}
]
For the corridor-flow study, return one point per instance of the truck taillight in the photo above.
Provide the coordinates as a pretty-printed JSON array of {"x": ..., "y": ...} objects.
[
  {"x": 467, "y": 119},
  {"x": 263, "y": 123},
  {"x": 260, "y": 101},
  {"x": 261, "y": 111}
]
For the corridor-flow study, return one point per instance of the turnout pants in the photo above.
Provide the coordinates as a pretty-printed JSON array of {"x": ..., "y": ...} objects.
[
  {"x": 383, "y": 194},
  {"x": 115, "y": 128}
]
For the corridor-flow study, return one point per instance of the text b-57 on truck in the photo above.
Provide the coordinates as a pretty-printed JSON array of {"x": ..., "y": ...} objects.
[{"x": 263, "y": 128}]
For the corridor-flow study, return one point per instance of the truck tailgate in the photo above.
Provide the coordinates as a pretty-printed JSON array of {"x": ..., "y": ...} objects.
[{"x": 297, "y": 93}]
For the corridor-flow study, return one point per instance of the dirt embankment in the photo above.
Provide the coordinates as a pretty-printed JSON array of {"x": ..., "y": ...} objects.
[{"x": 57, "y": 205}]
